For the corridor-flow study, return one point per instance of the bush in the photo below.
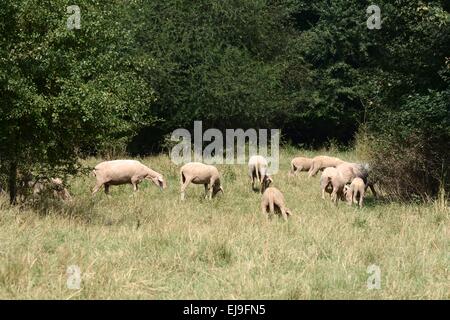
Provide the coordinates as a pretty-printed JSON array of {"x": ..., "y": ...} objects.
[{"x": 410, "y": 153}]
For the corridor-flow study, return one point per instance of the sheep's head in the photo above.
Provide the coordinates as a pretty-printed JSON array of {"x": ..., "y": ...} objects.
[
  {"x": 216, "y": 188},
  {"x": 348, "y": 193},
  {"x": 267, "y": 180},
  {"x": 158, "y": 180}
]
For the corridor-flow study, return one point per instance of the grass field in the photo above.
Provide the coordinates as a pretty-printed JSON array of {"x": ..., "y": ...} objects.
[{"x": 150, "y": 245}]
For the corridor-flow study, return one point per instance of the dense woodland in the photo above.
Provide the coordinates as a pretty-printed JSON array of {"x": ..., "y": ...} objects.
[{"x": 137, "y": 70}]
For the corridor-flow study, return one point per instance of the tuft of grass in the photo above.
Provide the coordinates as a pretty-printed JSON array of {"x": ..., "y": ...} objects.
[{"x": 151, "y": 245}]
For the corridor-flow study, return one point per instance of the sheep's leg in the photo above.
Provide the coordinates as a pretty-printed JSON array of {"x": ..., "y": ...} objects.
[
  {"x": 264, "y": 210},
  {"x": 313, "y": 170},
  {"x": 210, "y": 189},
  {"x": 106, "y": 189},
  {"x": 271, "y": 208},
  {"x": 361, "y": 199},
  {"x": 135, "y": 181},
  {"x": 354, "y": 196},
  {"x": 297, "y": 170},
  {"x": 183, "y": 187},
  {"x": 206, "y": 190},
  {"x": 334, "y": 196}
]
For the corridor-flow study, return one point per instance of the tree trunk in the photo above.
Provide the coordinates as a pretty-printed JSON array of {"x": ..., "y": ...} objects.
[{"x": 12, "y": 183}]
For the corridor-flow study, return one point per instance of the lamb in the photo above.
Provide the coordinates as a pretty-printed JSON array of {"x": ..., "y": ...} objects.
[
  {"x": 322, "y": 162},
  {"x": 355, "y": 190},
  {"x": 273, "y": 200},
  {"x": 257, "y": 169},
  {"x": 325, "y": 180},
  {"x": 299, "y": 164},
  {"x": 199, "y": 173},
  {"x": 118, "y": 172}
]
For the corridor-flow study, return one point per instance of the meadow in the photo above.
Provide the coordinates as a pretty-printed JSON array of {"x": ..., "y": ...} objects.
[{"x": 150, "y": 245}]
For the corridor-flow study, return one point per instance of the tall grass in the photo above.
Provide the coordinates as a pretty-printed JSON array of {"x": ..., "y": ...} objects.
[{"x": 150, "y": 245}]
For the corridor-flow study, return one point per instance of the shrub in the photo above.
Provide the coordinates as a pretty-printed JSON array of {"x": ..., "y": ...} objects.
[{"x": 410, "y": 151}]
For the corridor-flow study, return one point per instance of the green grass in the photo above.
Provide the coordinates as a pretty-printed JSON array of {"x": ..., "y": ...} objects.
[{"x": 150, "y": 245}]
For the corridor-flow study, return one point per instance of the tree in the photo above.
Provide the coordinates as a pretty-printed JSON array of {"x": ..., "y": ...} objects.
[
  {"x": 217, "y": 61},
  {"x": 66, "y": 92}
]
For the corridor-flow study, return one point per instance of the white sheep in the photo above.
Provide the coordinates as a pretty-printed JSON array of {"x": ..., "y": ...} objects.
[
  {"x": 345, "y": 173},
  {"x": 299, "y": 164},
  {"x": 118, "y": 172},
  {"x": 322, "y": 162},
  {"x": 355, "y": 191},
  {"x": 257, "y": 169},
  {"x": 325, "y": 180},
  {"x": 273, "y": 201},
  {"x": 199, "y": 173}
]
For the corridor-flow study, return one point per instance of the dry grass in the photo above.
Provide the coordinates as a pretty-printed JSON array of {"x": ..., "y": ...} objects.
[{"x": 150, "y": 245}]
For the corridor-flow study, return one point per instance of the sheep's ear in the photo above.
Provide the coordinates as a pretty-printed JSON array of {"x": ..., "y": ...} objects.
[{"x": 221, "y": 189}]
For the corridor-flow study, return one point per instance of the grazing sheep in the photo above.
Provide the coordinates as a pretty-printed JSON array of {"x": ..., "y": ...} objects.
[
  {"x": 348, "y": 171},
  {"x": 325, "y": 180},
  {"x": 355, "y": 191},
  {"x": 273, "y": 201},
  {"x": 345, "y": 173},
  {"x": 117, "y": 172},
  {"x": 29, "y": 184},
  {"x": 55, "y": 184},
  {"x": 322, "y": 162},
  {"x": 257, "y": 169},
  {"x": 199, "y": 173},
  {"x": 299, "y": 164}
]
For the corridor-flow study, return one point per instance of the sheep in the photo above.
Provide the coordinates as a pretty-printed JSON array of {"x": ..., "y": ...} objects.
[
  {"x": 345, "y": 173},
  {"x": 118, "y": 172},
  {"x": 199, "y": 173},
  {"x": 273, "y": 199},
  {"x": 325, "y": 180},
  {"x": 355, "y": 190},
  {"x": 55, "y": 184},
  {"x": 257, "y": 169},
  {"x": 322, "y": 162},
  {"x": 28, "y": 184},
  {"x": 299, "y": 164}
]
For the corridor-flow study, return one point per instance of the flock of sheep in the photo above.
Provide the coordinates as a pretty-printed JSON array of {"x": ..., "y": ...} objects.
[{"x": 342, "y": 180}]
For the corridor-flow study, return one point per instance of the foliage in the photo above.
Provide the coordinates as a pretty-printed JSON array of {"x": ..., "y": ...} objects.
[{"x": 66, "y": 92}]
